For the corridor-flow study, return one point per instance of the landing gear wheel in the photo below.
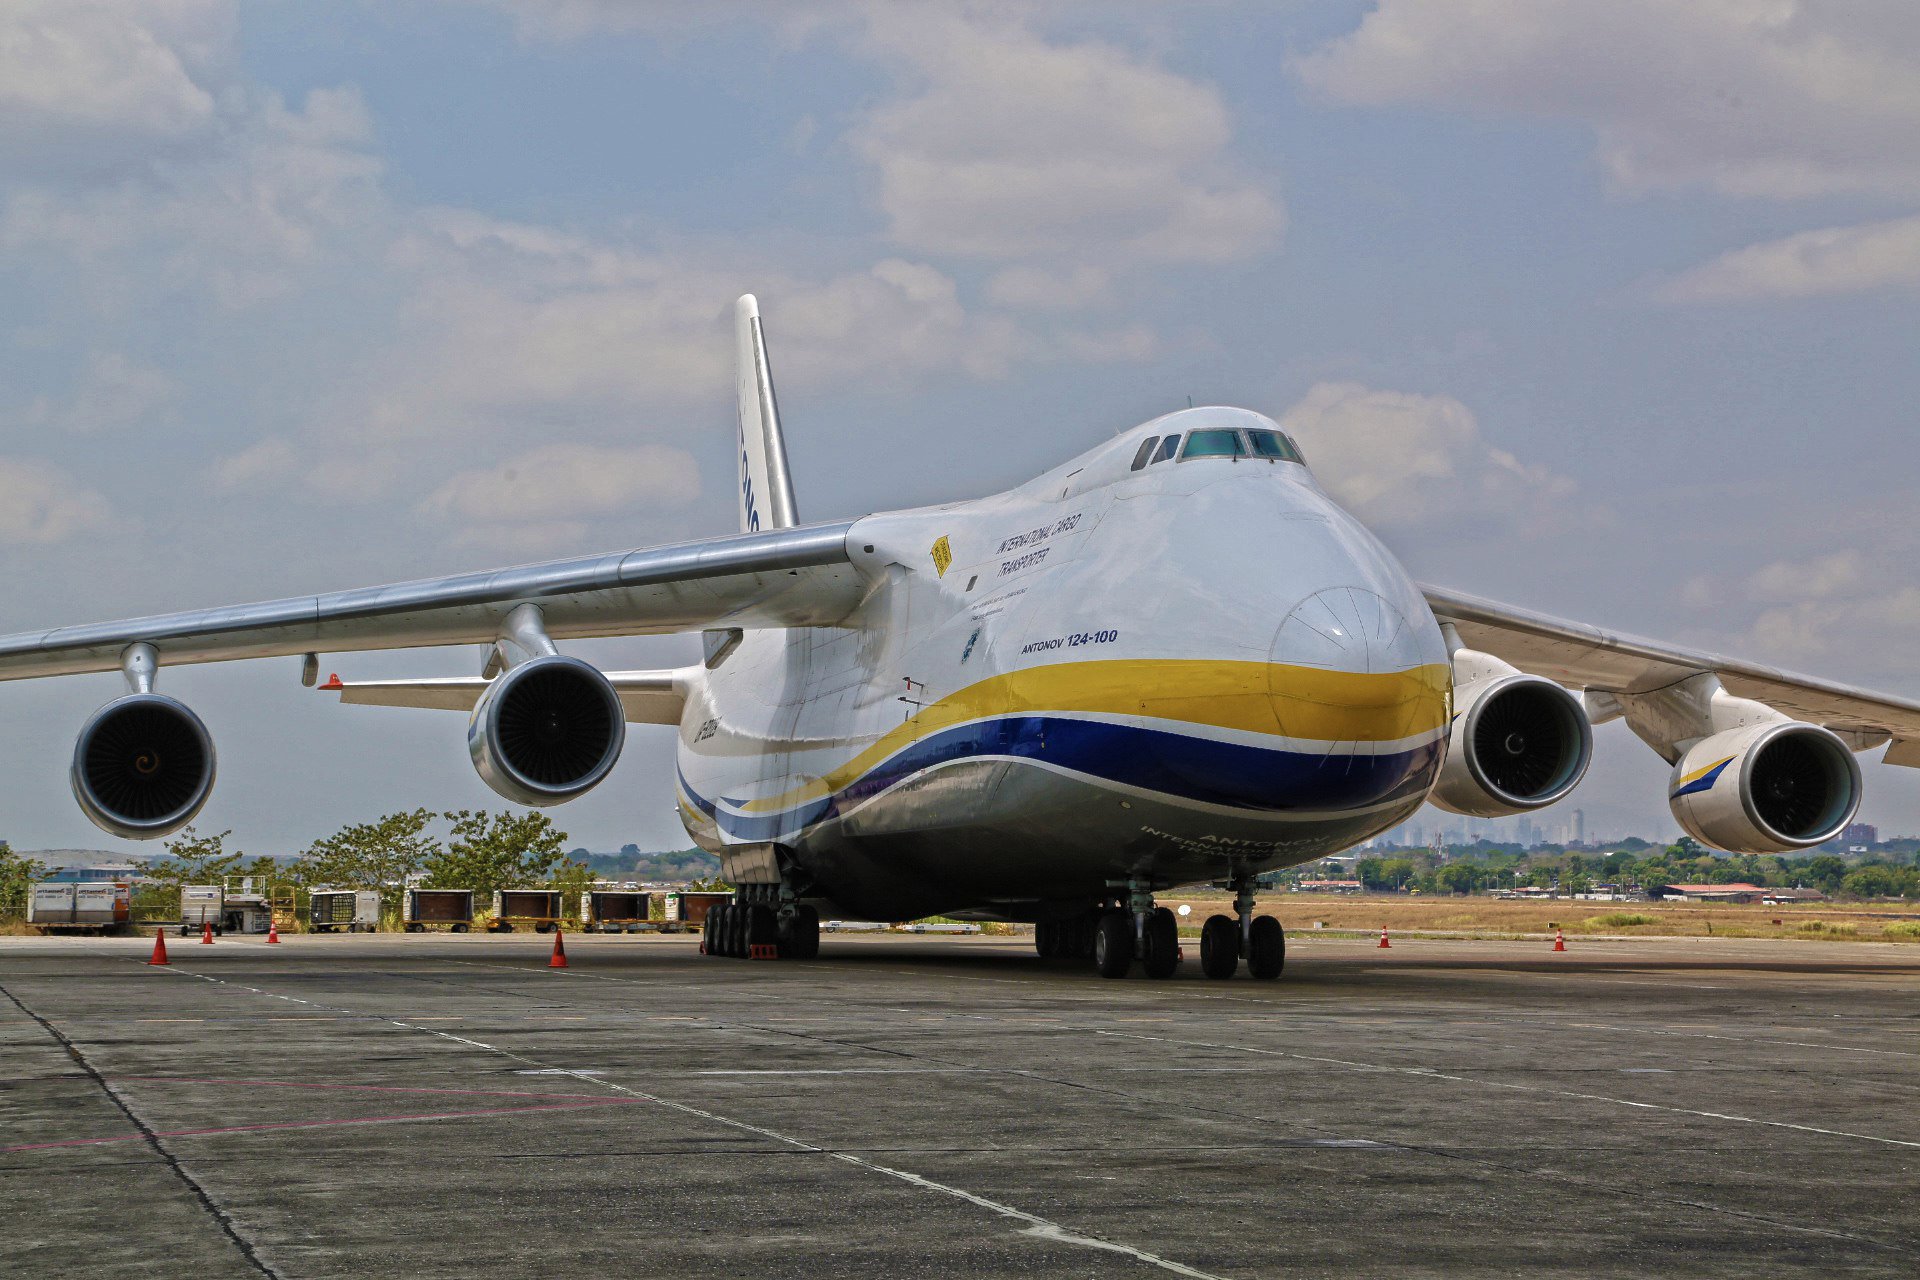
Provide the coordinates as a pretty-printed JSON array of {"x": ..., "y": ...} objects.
[
  {"x": 712, "y": 928},
  {"x": 1266, "y": 949},
  {"x": 1219, "y": 946},
  {"x": 800, "y": 934},
  {"x": 739, "y": 920},
  {"x": 1113, "y": 945},
  {"x": 1046, "y": 939},
  {"x": 1163, "y": 944},
  {"x": 763, "y": 927}
]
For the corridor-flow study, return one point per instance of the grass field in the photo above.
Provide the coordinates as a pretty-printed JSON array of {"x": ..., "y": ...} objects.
[{"x": 1467, "y": 917}]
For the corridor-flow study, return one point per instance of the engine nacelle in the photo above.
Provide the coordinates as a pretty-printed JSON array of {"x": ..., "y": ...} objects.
[
  {"x": 142, "y": 767},
  {"x": 1519, "y": 743},
  {"x": 1766, "y": 788},
  {"x": 546, "y": 731}
]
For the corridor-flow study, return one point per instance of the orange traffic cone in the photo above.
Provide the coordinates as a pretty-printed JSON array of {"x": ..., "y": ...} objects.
[
  {"x": 206, "y": 932},
  {"x": 1383, "y": 938},
  {"x": 159, "y": 948},
  {"x": 273, "y": 929},
  {"x": 1559, "y": 940},
  {"x": 559, "y": 960}
]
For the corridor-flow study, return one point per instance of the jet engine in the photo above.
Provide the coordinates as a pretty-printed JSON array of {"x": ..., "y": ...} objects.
[
  {"x": 1519, "y": 743},
  {"x": 143, "y": 766},
  {"x": 546, "y": 731},
  {"x": 1766, "y": 788}
]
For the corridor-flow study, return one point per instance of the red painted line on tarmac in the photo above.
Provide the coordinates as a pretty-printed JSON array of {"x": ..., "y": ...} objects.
[
  {"x": 357, "y": 1088},
  {"x": 318, "y": 1124}
]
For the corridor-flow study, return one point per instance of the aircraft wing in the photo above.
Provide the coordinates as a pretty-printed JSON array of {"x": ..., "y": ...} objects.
[
  {"x": 1587, "y": 657},
  {"x": 780, "y": 578},
  {"x": 649, "y": 697}
]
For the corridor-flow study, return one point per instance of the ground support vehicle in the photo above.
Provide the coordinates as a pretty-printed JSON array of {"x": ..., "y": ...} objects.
[
  {"x": 538, "y": 908},
  {"x": 343, "y": 910},
  {"x": 66, "y": 907},
  {"x": 201, "y": 907},
  {"x": 614, "y": 910},
  {"x": 450, "y": 907}
]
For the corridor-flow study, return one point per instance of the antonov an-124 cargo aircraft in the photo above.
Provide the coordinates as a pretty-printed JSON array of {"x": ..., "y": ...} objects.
[{"x": 1172, "y": 659}]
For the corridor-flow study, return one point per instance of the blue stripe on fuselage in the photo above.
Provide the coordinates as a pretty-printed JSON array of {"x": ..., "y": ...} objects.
[{"x": 1257, "y": 779}]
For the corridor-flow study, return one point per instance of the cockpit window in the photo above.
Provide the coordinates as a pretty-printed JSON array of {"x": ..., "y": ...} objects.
[
  {"x": 1271, "y": 444},
  {"x": 1146, "y": 451},
  {"x": 1214, "y": 444},
  {"x": 1168, "y": 447}
]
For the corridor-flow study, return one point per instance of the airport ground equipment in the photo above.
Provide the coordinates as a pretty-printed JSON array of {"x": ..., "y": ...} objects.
[
  {"x": 424, "y": 908},
  {"x": 537, "y": 908},
  {"x": 245, "y": 912},
  {"x": 65, "y": 907},
  {"x": 200, "y": 908},
  {"x": 952, "y": 710},
  {"x": 614, "y": 910},
  {"x": 343, "y": 910},
  {"x": 694, "y": 907}
]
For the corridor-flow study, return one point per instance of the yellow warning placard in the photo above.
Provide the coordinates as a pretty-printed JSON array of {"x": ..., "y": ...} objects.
[{"x": 942, "y": 555}]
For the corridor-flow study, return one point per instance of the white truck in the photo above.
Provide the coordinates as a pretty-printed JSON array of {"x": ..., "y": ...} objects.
[
  {"x": 65, "y": 907},
  {"x": 201, "y": 905}
]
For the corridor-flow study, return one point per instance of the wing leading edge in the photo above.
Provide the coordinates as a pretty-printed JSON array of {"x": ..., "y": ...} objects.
[
  {"x": 1587, "y": 657},
  {"x": 781, "y": 578}
]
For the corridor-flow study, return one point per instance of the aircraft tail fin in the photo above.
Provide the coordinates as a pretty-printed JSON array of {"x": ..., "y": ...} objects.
[{"x": 766, "y": 489}]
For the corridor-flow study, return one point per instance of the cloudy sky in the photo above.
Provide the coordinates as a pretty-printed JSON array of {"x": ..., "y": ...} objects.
[{"x": 1609, "y": 310}]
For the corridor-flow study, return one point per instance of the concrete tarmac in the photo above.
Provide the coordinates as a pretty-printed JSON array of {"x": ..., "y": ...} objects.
[{"x": 437, "y": 1105}]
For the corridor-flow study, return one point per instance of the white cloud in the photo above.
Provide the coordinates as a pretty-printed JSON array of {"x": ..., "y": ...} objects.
[
  {"x": 1398, "y": 459},
  {"x": 1030, "y": 288},
  {"x": 114, "y": 391},
  {"x": 562, "y": 481},
  {"x": 258, "y": 466},
  {"x": 90, "y": 66},
  {"x": 1818, "y": 578},
  {"x": 1834, "y": 260},
  {"x": 1772, "y": 98},
  {"x": 1010, "y": 146},
  {"x": 40, "y": 504}
]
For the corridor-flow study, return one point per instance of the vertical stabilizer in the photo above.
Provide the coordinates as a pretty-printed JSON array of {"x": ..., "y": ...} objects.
[{"x": 766, "y": 490}]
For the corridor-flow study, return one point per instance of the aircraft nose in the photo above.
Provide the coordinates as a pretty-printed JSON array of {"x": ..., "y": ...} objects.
[{"x": 1359, "y": 684}]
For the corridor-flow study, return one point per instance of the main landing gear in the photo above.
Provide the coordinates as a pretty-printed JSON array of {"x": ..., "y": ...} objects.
[
  {"x": 1113, "y": 936},
  {"x": 759, "y": 923}
]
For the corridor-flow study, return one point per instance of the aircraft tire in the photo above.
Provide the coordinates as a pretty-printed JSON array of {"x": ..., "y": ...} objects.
[
  {"x": 800, "y": 934},
  {"x": 1267, "y": 949},
  {"x": 763, "y": 927},
  {"x": 1046, "y": 939},
  {"x": 1163, "y": 944},
  {"x": 714, "y": 930},
  {"x": 1220, "y": 946},
  {"x": 739, "y": 923},
  {"x": 1113, "y": 945}
]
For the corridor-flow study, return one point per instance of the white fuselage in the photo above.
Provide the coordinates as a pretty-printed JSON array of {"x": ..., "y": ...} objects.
[{"x": 1194, "y": 669}]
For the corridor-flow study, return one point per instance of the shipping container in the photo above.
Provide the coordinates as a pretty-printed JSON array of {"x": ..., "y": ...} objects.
[
  {"x": 613, "y": 910},
  {"x": 89, "y": 907},
  {"x": 201, "y": 905},
  {"x": 694, "y": 907},
  {"x": 352, "y": 910},
  {"x": 540, "y": 908},
  {"x": 451, "y": 907}
]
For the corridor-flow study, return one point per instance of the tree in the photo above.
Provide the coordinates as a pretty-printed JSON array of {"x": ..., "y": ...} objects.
[
  {"x": 1825, "y": 872},
  {"x": 489, "y": 852},
  {"x": 1878, "y": 882},
  {"x": 377, "y": 855},
  {"x": 192, "y": 858},
  {"x": 16, "y": 874}
]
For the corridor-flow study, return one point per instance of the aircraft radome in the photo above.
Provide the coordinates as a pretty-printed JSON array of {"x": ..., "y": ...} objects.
[{"x": 1170, "y": 660}]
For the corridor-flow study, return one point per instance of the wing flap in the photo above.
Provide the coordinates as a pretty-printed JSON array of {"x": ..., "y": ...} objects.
[
  {"x": 1587, "y": 657},
  {"x": 782, "y": 578},
  {"x": 649, "y": 697}
]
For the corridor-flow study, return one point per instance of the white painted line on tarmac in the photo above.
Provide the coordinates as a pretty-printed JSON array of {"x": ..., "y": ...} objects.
[
  {"x": 1702, "y": 1035},
  {"x": 1037, "y": 1226},
  {"x": 1430, "y": 1074}
]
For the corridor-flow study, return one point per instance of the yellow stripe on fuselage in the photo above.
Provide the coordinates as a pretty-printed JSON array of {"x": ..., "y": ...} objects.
[{"x": 1256, "y": 697}]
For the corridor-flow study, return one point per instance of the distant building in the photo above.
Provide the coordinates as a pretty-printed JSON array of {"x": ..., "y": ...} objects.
[
  {"x": 1327, "y": 886},
  {"x": 97, "y": 873},
  {"x": 1861, "y": 833},
  {"x": 1708, "y": 892},
  {"x": 1786, "y": 897}
]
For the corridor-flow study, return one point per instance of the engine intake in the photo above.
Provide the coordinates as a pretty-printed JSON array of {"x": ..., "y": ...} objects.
[
  {"x": 1766, "y": 788},
  {"x": 1519, "y": 743},
  {"x": 547, "y": 731},
  {"x": 142, "y": 767}
]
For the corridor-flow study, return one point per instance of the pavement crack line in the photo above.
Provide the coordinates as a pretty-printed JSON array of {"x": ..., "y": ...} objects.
[
  {"x": 223, "y": 1219},
  {"x": 1036, "y": 1226}
]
